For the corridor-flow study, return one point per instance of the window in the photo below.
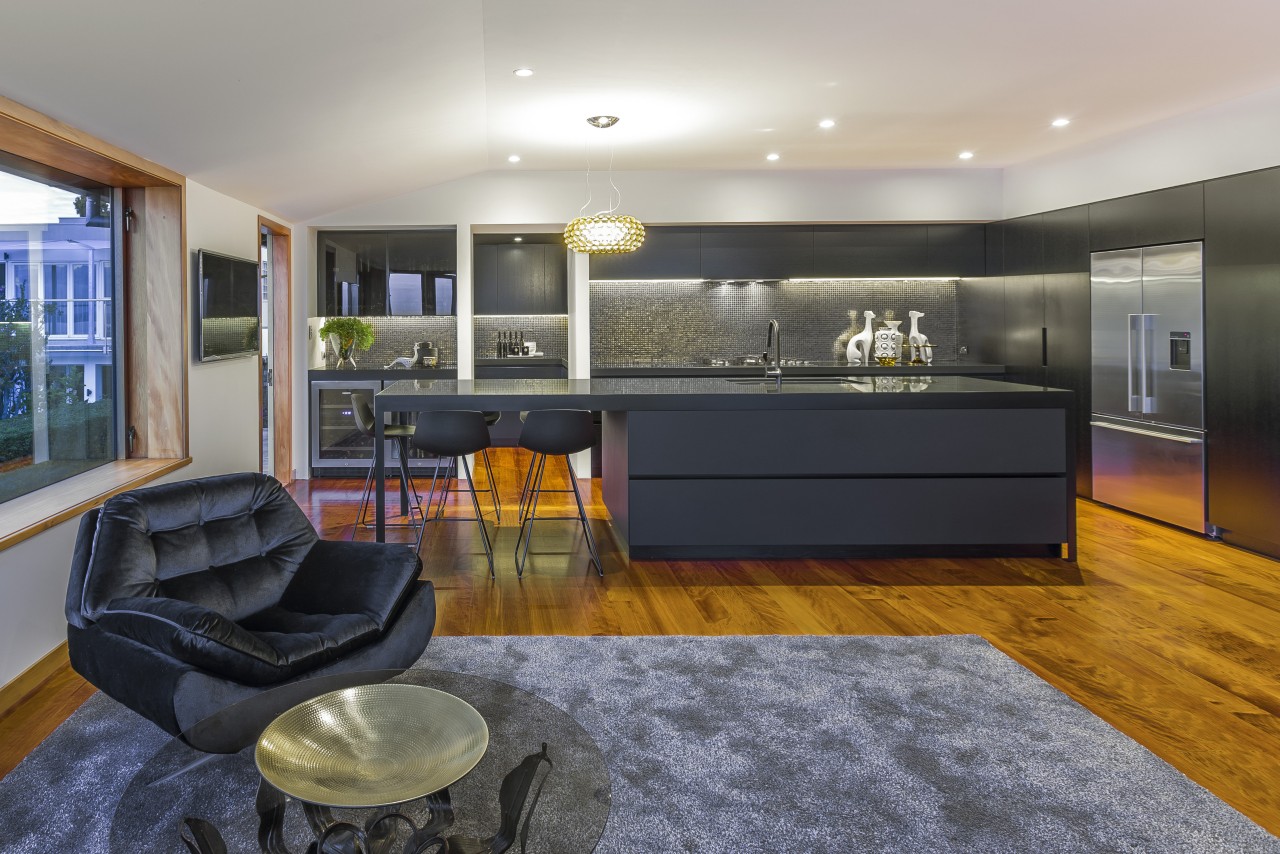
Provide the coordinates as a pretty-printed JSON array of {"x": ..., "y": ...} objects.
[{"x": 57, "y": 348}]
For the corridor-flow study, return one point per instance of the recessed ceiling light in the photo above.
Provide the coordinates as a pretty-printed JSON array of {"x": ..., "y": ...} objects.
[
  {"x": 966, "y": 155},
  {"x": 826, "y": 124},
  {"x": 602, "y": 121},
  {"x": 519, "y": 239},
  {"x": 772, "y": 156},
  {"x": 1061, "y": 123},
  {"x": 523, "y": 72},
  {"x": 515, "y": 158}
]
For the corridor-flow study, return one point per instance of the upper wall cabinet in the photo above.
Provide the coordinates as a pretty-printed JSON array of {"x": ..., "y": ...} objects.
[
  {"x": 867, "y": 251},
  {"x": 668, "y": 252},
  {"x": 387, "y": 273},
  {"x": 957, "y": 249},
  {"x": 757, "y": 252},
  {"x": 530, "y": 278},
  {"x": 1065, "y": 236},
  {"x": 1174, "y": 215},
  {"x": 1024, "y": 245}
]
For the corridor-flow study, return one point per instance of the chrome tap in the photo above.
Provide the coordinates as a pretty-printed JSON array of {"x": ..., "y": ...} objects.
[{"x": 773, "y": 368}]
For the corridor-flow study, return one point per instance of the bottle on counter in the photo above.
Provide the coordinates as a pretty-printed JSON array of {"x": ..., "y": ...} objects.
[{"x": 524, "y": 348}]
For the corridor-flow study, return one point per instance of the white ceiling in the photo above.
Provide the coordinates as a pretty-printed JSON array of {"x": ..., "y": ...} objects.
[{"x": 303, "y": 107}]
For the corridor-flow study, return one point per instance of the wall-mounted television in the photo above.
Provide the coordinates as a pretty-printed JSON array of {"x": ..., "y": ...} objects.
[{"x": 228, "y": 299}]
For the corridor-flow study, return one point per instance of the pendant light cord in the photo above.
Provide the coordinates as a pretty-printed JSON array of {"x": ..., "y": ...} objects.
[{"x": 586, "y": 147}]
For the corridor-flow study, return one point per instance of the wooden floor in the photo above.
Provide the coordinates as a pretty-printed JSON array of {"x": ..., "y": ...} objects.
[{"x": 1169, "y": 637}]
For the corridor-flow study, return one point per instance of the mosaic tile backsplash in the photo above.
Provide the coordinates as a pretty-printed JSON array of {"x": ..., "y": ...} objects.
[
  {"x": 549, "y": 331},
  {"x": 679, "y": 323},
  {"x": 395, "y": 336}
]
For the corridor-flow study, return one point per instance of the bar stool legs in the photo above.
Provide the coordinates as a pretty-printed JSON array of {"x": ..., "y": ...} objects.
[
  {"x": 406, "y": 477},
  {"x": 534, "y": 494},
  {"x": 438, "y": 516}
]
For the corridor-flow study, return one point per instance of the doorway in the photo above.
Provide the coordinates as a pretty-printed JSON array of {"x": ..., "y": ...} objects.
[{"x": 275, "y": 388}]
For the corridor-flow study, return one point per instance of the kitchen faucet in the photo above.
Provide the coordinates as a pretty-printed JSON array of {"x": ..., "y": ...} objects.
[{"x": 773, "y": 368}]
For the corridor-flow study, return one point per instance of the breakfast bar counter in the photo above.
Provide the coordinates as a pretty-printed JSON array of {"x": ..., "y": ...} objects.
[{"x": 704, "y": 467}]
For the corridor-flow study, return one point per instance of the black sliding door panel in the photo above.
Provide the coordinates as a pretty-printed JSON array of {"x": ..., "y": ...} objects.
[{"x": 1242, "y": 361}]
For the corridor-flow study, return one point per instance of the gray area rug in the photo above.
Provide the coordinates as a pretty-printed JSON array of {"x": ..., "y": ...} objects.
[{"x": 745, "y": 744}]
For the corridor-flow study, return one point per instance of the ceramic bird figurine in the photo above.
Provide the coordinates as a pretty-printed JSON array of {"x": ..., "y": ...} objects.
[
  {"x": 859, "y": 350},
  {"x": 921, "y": 349}
]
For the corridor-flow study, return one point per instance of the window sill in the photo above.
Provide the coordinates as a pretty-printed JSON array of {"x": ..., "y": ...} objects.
[{"x": 31, "y": 514}]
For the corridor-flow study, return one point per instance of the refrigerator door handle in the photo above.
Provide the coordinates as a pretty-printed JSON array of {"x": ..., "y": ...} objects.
[
  {"x": 1186, "y": 440},
  {"x": 1134, "y": 354},
  {"x": 1148, "y": 364}
]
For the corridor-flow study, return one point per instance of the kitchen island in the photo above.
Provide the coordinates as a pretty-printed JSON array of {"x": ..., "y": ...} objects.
[{"x": 745, "y": 467}]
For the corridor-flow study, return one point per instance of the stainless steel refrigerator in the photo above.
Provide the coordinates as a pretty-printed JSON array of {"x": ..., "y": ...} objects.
[{"x": 1148, "y": 382}]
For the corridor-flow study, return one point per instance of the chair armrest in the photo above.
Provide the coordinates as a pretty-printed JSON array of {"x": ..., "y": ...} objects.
[
  {"x": 197, "y": 636},
  {"x": 339, "y": 577}
]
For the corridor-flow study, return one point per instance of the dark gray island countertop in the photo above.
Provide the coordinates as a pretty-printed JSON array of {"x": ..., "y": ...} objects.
[
  {"x": 819, "y": 369},
  {"x": 718, "y": 393},
  {"x": 717, "y": 467}
]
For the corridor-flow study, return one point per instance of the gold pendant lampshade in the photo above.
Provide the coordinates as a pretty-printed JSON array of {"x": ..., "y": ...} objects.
[{"x": 604, "y": 233}]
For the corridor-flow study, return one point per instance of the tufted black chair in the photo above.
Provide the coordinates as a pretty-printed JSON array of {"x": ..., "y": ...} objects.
[{"x": 189, "y": 597}]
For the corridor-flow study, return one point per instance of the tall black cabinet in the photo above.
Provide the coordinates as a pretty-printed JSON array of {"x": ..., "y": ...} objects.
[{"x": 1242, "y": 359}]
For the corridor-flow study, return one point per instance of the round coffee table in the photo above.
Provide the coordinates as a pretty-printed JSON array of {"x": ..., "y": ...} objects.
[{"x": 227, "y": 792}]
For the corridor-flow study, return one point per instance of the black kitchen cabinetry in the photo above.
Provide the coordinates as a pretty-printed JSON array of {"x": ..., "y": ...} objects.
[
  {"x": 868, "y": 251},
  {"x": 1046, "y": 311},
  {"x": 955, "y": 250},
  {"x": 757, "y": 252},
  {"x": 1242, "y": 362},
  {"x": 750, "y": 252},
  {"x": 521, "y": 279},
  {"x": 668, "y": 252},
  {"x": 1173, "y": 215},
  {"x": 1024, "y": 330},
  {"x": 387, "y": 273}
]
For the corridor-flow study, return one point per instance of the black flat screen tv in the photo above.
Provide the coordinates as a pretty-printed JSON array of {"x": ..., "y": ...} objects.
[{"x": 228, "y": 299}]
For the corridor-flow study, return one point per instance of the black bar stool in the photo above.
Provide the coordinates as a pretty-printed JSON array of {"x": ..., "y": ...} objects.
[
  {"x": 555, "y": 432},
  {"x": 362, "y": 412},
  {"x": 453, "y": 434}
]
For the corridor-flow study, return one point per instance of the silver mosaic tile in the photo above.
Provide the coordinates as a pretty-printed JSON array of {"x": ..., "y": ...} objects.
[
  {"x": 549, "y": 331},
  {"x": 687, "y": 323}
]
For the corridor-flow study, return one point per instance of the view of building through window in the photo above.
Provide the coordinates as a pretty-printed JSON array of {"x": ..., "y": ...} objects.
[{"x": 57, "y": 325}]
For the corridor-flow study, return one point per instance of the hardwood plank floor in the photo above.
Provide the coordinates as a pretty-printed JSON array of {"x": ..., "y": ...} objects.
[{"x": 1169, "y": 637}]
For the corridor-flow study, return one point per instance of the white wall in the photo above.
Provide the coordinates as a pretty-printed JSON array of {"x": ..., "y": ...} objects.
[
  {"x": 223, "y": 407},
  {"x": 222, "y": 396},
  {"x": 522, "y": 197},
  {"x": 1236, "y": 136}
]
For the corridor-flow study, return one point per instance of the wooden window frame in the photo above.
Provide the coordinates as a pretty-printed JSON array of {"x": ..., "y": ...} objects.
[{"x": 155, "y": 328}]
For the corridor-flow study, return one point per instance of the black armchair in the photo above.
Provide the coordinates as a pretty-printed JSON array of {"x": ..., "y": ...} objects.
[{"x": 189, "y": 597}]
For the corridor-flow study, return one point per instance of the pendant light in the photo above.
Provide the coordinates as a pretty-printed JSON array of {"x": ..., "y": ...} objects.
[{"x": 604, "y": 233}]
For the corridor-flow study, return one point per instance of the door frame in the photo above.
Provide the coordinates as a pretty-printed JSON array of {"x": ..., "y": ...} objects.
[{"x": 281, "y": 343}]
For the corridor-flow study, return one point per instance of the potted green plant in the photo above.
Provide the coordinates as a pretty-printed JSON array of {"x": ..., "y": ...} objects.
[{"x": 345, "y": 334}]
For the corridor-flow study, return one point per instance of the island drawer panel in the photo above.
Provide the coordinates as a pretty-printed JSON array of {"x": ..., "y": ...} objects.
[
  {"x": 847, "y": 442},
  {"x": 848, "y": 511}
]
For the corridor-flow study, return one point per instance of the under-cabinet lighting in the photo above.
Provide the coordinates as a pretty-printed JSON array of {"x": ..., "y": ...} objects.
[
  {"x": 649, "y": 281},
  {"x": 872, "y": 279}
]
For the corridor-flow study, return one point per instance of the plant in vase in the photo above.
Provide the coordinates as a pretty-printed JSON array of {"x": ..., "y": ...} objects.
[{"x": 345, "y": 334}]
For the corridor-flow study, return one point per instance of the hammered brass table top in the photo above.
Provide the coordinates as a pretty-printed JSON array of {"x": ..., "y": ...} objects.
[{"x": 373, "y": 745}]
